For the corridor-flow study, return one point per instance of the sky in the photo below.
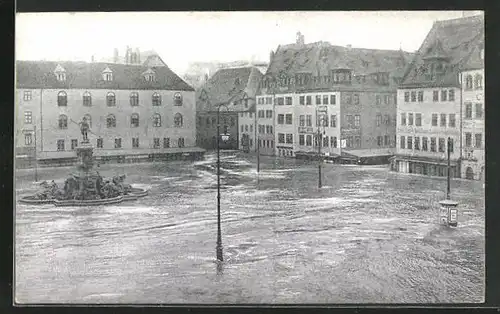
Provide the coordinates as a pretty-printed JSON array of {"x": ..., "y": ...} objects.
[{"x": 183, "y": 37}]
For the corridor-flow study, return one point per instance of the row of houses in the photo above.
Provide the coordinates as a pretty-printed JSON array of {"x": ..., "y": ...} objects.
[{"x": 363, "y": 105}]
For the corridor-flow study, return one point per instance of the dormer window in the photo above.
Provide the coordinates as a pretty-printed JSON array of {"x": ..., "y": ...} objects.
[
  {"x": 60, "y": 73},
  {"x": 107, "y": 75},
  {"x": 149, "y": 75}
]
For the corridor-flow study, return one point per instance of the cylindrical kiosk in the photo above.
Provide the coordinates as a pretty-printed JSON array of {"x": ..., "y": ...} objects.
[{"x": 449, "y": 213}]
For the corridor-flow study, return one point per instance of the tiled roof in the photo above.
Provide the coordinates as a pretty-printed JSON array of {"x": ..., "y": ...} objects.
[
  {"x": 227, "y": 86},
  {"x": 40, "y": 74},
  {"x": 456, "y": 40},
  {"x": 321, "y": 57}
]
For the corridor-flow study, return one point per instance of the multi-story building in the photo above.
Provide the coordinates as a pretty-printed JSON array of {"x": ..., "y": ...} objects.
[
  {"x": 133, "y": 56},
  {"x": 131, "y": 109},
  {"x": 348, "y": 93},
  {"x": 233, "y": 89},
  {"x": 430, "y": 99}
]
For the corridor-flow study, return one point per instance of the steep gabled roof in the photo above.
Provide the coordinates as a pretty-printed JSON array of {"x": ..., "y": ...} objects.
[
  {"x": 456, "y": 39},
  {"x": 228, "y": 86},
  {"x": 40, "y": 74}
]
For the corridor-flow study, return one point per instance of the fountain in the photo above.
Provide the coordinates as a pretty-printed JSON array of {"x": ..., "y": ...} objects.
[{"x": 85, "y": 186}]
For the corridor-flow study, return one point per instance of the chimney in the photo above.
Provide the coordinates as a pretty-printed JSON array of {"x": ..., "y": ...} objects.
[
  {"x": 115, "y": 56},
  {"x": 299, "y": 39}
]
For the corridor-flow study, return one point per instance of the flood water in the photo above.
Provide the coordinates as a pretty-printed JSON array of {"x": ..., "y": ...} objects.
[{"x": 368, "y": 236}]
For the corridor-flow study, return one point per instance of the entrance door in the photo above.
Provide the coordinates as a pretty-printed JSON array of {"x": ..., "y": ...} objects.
[{"x": 469, "y": 173}]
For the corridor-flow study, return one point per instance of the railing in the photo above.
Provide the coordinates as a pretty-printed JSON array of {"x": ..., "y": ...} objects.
[{"x": 304, "y": 129}]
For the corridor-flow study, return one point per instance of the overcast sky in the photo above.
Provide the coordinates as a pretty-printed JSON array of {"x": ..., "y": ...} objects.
[{"x": 183, "y": 37}]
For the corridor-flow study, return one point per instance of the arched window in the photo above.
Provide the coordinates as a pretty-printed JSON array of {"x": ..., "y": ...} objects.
[
  {"x": 111, "y": 121},
  {"x": 178, "y": 99},
  {"x": 156, "y": 99},
  {"x": 468, "y": 82},
  {"x": 134, "y": 99},
  {"x": 478, "y": 81},
  {"x": 110, "y": 99},
  {"x": 63, "y": 122},
  {"x": 87, "y": 99},
  {"x": 89, "y": 119},
  {"x": 178, "y": 120},
  {"x": 134, "y": 120},
  {"x": 156, "y": 120},
  {"x": 62, "y": 99}
]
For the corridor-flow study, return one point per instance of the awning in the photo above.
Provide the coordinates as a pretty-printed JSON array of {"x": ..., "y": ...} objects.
[{"x": 426, "y": 160}]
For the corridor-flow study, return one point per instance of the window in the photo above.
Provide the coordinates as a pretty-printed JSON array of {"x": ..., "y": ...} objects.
[
  {"x": 350, "y": 121},
  {"x": 358, "y": 141},
  {"x": 308, "y": 100},
  {"x": 309, "y": 140},
  {"x": 60, "y": 145},
  {"x": 110, "y": 99},
  {"x": 333, "y": 141},
  {"x": 478, "y": 81},
  {"x": 309, "y": 120},
  {"x": 420, "y": 96},
  {"x": 468, "y": 111},
  {"x": 410, "y": 119},
  {"x": 288, "y": 101},
  {"x": 349, "y": 141},
  {"x": 246, "y": 127},
  {"x": 269, "y": 100},
  {"x": 302, "y": 120},
  {"x": 281, "y": 101},
  {"x": 111, "y": 121},
  {"x": 62, "y": 99},
  {"x": 289, "y": 138},
  {"x": 413, "y": 96},
  {"x": 269, "y": 113},
  {"x": 451, "y": 95},
  {"x": 387, "y": 119},
  {"x": 479, "y": 140},
  {"x": 386, "y": 140},
  {"x": 387, "y": 99},
  {"x": 409, "y": 142},
  {"x": 178, "y": 120},
  {"x": 177, "y": 99},
  {"x": 403, "y": 119},
  {"x": 325, "y": 141},
  {"x": 333, "y": 121},
  {"x": 435, "y": 95},
  {"x": 379, "y": 119},
  {"x": 118, "y": 143},
  {"x": 452, "y": 121},
  {"x": 356, "y": 99},
  {"x": 135, "y": 142},
  {"x": 407, "y": 96},
  {"x": 378, "y": 99},
  {"x": 379, "y": 140},
  {"x": 134, "y": 120},
  {"x": 251, "y": 127},
  {"x": 441, "y": 145},
  {"x": 289, "y": 118},
  {"x": 468, "y": 82},
  {"x": 479, "y": 111},
  {"x": 156, "y": 142},
  {"x": 281, "y": 119},
  {"x": 443, "y": 120},
  {"x": 434, "y": 119},
  {"x": 451, "y": 145},
  {"x": 302, "y": 100},
  {"x": 402, "y": 142},
  {"x": 301, "y": 140},
  {"x": 99, "y": 143},
  {"x": 28, "y": 117},
  {"x": 325, "y": 99},
  {"x": 418, "y": 119},
  {"x": 357, "y": 120},
  {"x": 424, "y": 143},
  {"x": 87, "y": 99},
  {"x": 63, "y": 122},
  {"x": 468, "y": 139},
  {"x": 261, "y": 113},
  {"x": 318, "y": 100},
  {"x": 27, "y": 96},
  {"x": 268, "y": 130},
  {"x": 433, "y": 144},
  {"x": 180, "y": 142},
  {"x": 156, "y": 99},
  {"x": 417, "y": 143},
  {"x": 242, "y": 128},
  {"x": 166, "y": 142},
  {"x": 348, "y": 98},
  {"x": 28, "y": 139},
  {"x": 444, "y": 94},
  {"x": 157, "y": 120},
  {"x": 134, "y": 99},
  {"x": 333, "y": 99}
]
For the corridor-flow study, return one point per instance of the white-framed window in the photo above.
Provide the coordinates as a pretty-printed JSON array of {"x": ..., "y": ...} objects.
[
  {"x": 28, "y": 139},
  {"x": 60, "y": 145},
  {"x": 156, "y": 120},
  {"x": 134, "y": 120},
  {"x": 111, "y": 99},
  {"x": 178, "y": 120},
  {"x": 111, "y": 121},
  {"x": 178, "y": 99},
  {"x": 156, "y": 99},
  {"x": 28, "y": 117},
  {"x": 63, "y": 121},
  {"x": 87, "y": 99},
  {"x": 62, "y": 98},
  {"x": 134, "y": 99},
  {"x": 27, "y": 95}
]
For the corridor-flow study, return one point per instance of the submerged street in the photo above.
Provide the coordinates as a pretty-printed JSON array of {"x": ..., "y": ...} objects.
[{"x": 368, "y": 236}]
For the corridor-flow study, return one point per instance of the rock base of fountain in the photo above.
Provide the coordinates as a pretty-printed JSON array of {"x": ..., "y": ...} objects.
[{"x": 85, "y": 186}]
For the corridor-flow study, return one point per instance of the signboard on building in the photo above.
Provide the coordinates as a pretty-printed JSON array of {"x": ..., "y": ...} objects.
[
  {"x": 343, "y": 143},
  {"x": 322, "y": 109}
]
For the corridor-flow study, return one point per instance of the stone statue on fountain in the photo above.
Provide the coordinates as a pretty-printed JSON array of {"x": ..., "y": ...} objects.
[{"x": 84, "y": 128}]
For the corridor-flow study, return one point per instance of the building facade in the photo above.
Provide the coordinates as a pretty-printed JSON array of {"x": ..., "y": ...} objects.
[
  {"x": 348, "y": 94},
  {"x": 233, "y": 90},
  {"x": 431, "y": 100},
  {"x": 131, "y": 109}
]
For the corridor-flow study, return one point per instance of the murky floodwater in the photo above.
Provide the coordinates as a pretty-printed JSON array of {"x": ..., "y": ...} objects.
[{"x": 367, "y": 236}]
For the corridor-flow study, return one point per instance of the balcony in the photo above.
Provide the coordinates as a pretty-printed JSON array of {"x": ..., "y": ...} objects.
[{"x": 305, "y": 129}]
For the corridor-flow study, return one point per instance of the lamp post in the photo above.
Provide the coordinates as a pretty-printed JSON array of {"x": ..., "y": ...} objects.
[
  {"x": 36, "y": 160},
  {"x": 448, "y": 170},
  {"x": 320, "y": 121},
  {"x": 225, "y": 137}
]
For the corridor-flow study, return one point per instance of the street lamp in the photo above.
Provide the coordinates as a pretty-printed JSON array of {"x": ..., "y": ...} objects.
[
  {"x": 320, "y": 122},
  {"x": 224, "y": 137}
]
